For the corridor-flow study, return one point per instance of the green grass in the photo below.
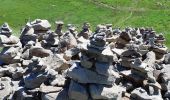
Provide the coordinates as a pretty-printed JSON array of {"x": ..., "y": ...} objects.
[{"x": 121, "y": 13}]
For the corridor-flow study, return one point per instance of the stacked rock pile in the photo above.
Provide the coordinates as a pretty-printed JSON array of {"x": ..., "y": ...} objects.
[{"x": 107, "y": 64}]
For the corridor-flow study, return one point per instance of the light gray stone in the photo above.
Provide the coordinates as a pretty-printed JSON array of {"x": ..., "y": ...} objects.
[
  {"x": 103, "y": 92},
  {"x": 66, "y": 42},
  {"x": 5, "y": 88},
  {"x": 118, "y": 51},
  {"x": 58, "y": 81},
  {"x": 62, "y": 95},
  {"x": 56, "y": 62},
  {"x": 49, "y": 89},
  {"x": 9, "y": 41},
  {"x": 107, "y": 58},
  {"x": 70, "y": 53},
  {"x": 39, "y": 24},
  {"x": 150, "y": 58}
]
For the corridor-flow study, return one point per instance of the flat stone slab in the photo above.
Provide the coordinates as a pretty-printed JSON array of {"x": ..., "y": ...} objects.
[
  {"x": 103, "y": 92},
  {"x": 82, "y": 75}
]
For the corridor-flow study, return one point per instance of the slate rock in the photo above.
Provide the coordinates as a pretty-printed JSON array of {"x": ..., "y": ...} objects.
[
  {"x": 10, "y": 55},
  {"x": 48, "y": 89},
  {"x": 105, "y": 69},
  {"x": 82, "y": 75},
  {"x": 167, "y": 58},
  {"x": 56, "y": 62},
  {"x": 103, "y": 92},
  {"x": 61, "y": 95},
  {"x": 34, "y": 80},
  {"x": 77, "y": 91},
  {"x": 23, "y": 94}
]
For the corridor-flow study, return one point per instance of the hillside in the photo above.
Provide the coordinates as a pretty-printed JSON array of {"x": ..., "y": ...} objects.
[{"x": 121, "y": 13}]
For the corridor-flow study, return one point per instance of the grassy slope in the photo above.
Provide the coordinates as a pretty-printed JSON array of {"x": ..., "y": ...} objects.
[{"x": 121, "y": 13}]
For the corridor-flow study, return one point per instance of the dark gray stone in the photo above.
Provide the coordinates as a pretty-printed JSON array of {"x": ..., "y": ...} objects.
[
  {"x": 34, "y": 80},
  {"x": 105, "y": 69},
  {"x": 77, "y": 91},
  {"x": 167, "y": 58}
]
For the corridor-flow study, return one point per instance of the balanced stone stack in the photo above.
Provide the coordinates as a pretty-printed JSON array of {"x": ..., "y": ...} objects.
[
  {"x": 93, "y": 77},
  {"x": 11, "y": 44},
  {"x": 38, "y": 30},
  {"x": 86, "y": 32}
]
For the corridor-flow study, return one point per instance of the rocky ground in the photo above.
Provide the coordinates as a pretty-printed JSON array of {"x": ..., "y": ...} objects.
[{"x": 107, "y": 64}]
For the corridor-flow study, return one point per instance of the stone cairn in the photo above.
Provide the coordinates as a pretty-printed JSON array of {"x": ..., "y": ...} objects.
[{"x": 107, "y": 64}]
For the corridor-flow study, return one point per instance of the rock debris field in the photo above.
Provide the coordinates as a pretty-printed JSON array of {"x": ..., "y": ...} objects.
[{"x": 107, "y": 64}]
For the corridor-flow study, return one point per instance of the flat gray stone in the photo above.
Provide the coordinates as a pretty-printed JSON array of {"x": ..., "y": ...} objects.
[
  {"x": 49, "y": 89},
  {"x": 103, "y": 92},
  {"x": 83, "y": 75},
  {"x": 105, "y": 69},
  {"x": 56, "y": 62},
  {"x": 62, "y": 95}
]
